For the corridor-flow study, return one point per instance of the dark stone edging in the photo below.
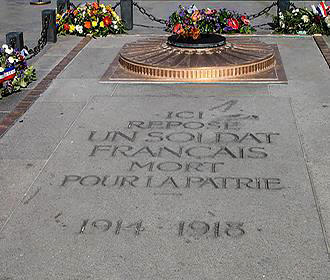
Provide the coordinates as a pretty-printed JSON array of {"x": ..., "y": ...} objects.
[
  {"x": 9, "y": 120},
  {"x": 323, "y": 46}
]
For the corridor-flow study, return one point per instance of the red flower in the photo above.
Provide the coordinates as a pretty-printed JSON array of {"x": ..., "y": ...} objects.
[
  {"x": 245, "y": 20},
  {"x": 177, "y": 28},
  {"x": 88, "y": 24},
  {"x": 95, "y": 5},
  {"x": 233, "y": 23},
  {"x": 317, "y": 19},
  {"x": 107, "y": 21},
  {"x": 66, "y": 27}
]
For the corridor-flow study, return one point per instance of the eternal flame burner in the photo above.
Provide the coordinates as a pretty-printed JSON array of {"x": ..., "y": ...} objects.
[
  {"x": 155, "y": 58},
  {"x": 238, "y": 59}
]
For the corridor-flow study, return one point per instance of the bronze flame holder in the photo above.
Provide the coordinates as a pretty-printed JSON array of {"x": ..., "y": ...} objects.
[{"x": 152, "y": 60}]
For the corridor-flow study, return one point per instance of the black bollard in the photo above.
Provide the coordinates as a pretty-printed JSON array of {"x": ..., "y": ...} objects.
[
  {"x": 62, "y": 5},
  {"x": 126, "y": 11},
  {"x": 15, "y": 40},
  {"x": 51, "y": 30},
  {"x": 283, "y": 5}
]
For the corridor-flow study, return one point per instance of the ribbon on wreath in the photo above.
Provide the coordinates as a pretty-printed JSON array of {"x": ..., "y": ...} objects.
[{"x": 8, "y": 74}]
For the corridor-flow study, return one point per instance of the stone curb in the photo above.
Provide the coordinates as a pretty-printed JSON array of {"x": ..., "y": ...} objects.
[{"x": 323, "y": 46}]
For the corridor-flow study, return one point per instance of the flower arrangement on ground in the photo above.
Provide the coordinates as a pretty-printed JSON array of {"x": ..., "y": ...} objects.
[
  {"x": 191, "y": 22},
  {"x": 91, "y": 18},
  {"x": 304, "y": 20},
  {"x": 14, "y": 71}
]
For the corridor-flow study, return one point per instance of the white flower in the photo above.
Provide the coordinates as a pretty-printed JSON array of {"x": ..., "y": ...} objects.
[
  {"x": 295, "y": 12},
  {"x": 11, "y": 60},
  {"x": 305, "y": 18},
  {"x": 114, "y": 22},
  {"x": 282, "y": 24},
  {"x": 192, "y": 9},
  {"x": 104, "y": 10},
  {"x": 9, "y": 51},
  {"x": 327, "y": 20},
  {"x": 115, "y": 26},
  {"x": 280, "y": 15},
  {"x": 24, "y": 52},
  {"x": 4, "y": 46},
  {"x": 79, "y": 29},
  {"x": 1, "y": 69}
]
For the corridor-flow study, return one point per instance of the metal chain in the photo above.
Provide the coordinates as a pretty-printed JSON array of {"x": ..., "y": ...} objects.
[
  {"x": 150, "y": 16},
  {"x": 292, "y": 5},
  {"x": 42, "y": 40},
  {"x": 116, "y": 5},
  {"x": 262, "y": 12}
]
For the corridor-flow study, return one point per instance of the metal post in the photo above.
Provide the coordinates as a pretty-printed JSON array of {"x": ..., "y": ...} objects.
[
  {"x": 51, "y": 31},
  {"x": 283, "y": 5},
  {"x": 126, "y": 11},
  {"x": 15, "y": 40},
  {"x": 62, "y": 5}
]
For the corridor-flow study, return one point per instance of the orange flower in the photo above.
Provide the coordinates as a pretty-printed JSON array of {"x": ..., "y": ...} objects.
[
  {"x": 75, "y": 12},
  {"x": 88, "y": 24},
  {"x": 95, "y": 5},
  {"x": 196, "y": 33},
  {"x": 196, "y": 16}
]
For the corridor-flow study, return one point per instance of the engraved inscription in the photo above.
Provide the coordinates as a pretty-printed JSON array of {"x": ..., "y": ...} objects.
[{"x": 182, "y": 150}]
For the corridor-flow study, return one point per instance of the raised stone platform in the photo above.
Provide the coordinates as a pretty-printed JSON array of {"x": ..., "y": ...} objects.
[
  {"x": 156, "y": 60},
  {"x": 168, "y": 181}
]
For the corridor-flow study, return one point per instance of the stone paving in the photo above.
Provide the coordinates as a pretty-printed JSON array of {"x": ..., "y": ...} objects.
[{"x": 190, "y": 181}]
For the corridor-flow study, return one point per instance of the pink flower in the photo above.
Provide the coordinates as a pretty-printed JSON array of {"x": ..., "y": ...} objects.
[
  {"x": 245, "y": 20},
  {"x": 210, "y": 12}
]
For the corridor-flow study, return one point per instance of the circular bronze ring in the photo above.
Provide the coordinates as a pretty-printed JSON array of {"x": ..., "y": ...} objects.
[{"x": 39, "y": 3}]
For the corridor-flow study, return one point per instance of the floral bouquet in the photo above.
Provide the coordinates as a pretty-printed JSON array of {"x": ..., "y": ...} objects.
[
  {"x": 14, "y": 72},
  {"x": 91, "y": 18},
  {"x": 304, "y": 21},
  {"x": 192, "y": 22}
]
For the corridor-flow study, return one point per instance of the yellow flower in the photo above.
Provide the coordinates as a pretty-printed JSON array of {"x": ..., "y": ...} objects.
[
  {"x": 102, "y": 6},
  {"x": 94, "y": 23},
  {"x": 72, "y": 28},
  {"x": 101, "y": 24}
]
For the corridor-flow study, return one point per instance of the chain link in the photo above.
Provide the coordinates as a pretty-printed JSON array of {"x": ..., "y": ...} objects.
[
  {"x": 150, "y": 16},
  {"x": 292, "y": 5},
  {"x": 262, "y": 12},
  {"x": 42, "y": 40},
  {"x": 116, "y": 5}
]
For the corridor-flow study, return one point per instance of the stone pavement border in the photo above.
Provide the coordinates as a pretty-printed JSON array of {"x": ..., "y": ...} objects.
[
  {"x": 41, "y": 87},
  {"x": 324, "y": 48}
]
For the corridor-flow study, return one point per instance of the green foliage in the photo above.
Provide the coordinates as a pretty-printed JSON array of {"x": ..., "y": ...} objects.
[{"x": 302, "y": 21}]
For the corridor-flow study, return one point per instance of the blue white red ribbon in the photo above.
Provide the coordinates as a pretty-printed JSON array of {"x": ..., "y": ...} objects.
[{"x": 8, "y": 74}]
